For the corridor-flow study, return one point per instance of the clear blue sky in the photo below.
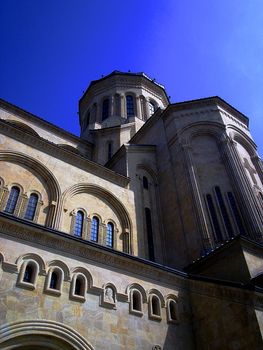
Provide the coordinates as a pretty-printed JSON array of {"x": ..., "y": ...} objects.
[{"x": 51, "y": 50}]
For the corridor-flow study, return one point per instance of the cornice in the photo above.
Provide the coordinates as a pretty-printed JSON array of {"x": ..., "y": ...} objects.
[
  {"x": 121, "y": 262},
  {"x": 67, "y": 156},
  {"x": 11, "y": 108}
]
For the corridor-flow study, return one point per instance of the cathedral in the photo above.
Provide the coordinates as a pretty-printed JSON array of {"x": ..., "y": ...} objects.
[{"x": 144, "y": 233}]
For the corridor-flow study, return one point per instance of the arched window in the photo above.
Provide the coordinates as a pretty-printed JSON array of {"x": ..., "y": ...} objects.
[
  {"x": 109, "y": 235},
  {"x": 105, "y": 109},
  {"x": 145, "y": 183},
  {"x": 12, "y": 200},
  {"x": 151, "y": 108},
  {"x": 129, "y": 105},
  {"x": 31, "y": 207},
  {"x": 78, "y": 286},
  {"x": 236, "y": 212},
  {"x": 78, "y": 228},
  {"x": 224, "y": 212},
  {"x": 155, "y": 306},
  {"x": 28, "y": 274},
  {"x": 172, "y": 311},
  {"x": 149, "y": 231},
  {"x": 214, "y": 219},
  {"x": 54, "y": 280},
  {"x": 136, "y": 302},
  {"x": 94, "y": 229},
  {"x": 109, "y": 150}
]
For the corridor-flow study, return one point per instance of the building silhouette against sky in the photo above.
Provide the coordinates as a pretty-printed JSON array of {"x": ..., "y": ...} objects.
[{"x": 144, "y": 233}]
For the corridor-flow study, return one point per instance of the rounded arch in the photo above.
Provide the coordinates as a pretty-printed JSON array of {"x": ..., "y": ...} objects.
[
  {"x": 244, "y": 141},
  {"x": 85, "y": 272},
  {"x": 32, "y": 256},
  {"x": 23, "y": 127},
  {"x": 107, "y": 197},
  {"x": 213, "y": 129},
  {"x": 2, "y": 182},
  {"x": 37, "y": 167},
  {"x": 139, "y": 288},
  {"x": 154, "y": 291},
  {"x": 64, "y": 267},
  {"x": 37, "y": 332},
  {"x": 148, "y": 169},
  {"x": 53, "y": 188}
]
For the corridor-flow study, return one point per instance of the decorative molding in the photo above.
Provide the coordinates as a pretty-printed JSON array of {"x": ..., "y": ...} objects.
[{"x": 36, "y": 328}]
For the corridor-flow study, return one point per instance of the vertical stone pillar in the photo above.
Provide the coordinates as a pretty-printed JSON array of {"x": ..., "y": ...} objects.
[
  {"x": 4, "y": 198},
  {"x": 23, "y": 206},
  {"x": 138, "y": 107},
  {"x": 102, "y": 234},
  {"x": 123, "y": 107},
  {"x": 86, "y": 235},
  {"x": 112, "y": 109},
  {"x": 202, "y": 226},
  {"x": 244, "y": 191},
  {"x": 258, "y": 166}
]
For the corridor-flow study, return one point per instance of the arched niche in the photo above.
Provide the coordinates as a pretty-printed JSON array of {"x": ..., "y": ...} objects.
[
  {"x": 44, "y": 182},
  {"x": 41, "y": 335},
  {"x": 108, "y": 206}
]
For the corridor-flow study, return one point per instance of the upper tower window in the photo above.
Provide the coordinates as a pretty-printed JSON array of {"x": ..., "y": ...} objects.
[
  {"x": 105, "y": 109},
  {"x": 129, "y": 105},
  {"x": 79, "y": 224},
  {"x": 151, "y": 108}
]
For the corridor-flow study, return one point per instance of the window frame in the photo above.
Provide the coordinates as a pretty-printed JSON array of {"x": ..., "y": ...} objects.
[
  {"x": 60, "y": 273},
  {"x": 24, "y": 284}
]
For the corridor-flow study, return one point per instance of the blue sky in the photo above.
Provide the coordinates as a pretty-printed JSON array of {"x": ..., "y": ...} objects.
[{"x": 51, "y": 50}]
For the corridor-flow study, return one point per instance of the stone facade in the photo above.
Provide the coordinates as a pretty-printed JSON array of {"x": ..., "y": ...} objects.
[{"x": 144, "y": 233}]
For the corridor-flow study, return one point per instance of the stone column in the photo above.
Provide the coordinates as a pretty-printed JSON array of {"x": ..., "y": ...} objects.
[
  {"x": 4, "y": 197},
  {"x": 244, "y": 191},
  {"x": 123, "y": 109},
  {"x": 138, "y": 107},
  {"x": 258, "y": 166},
  {"x": 111, "y": 99}
]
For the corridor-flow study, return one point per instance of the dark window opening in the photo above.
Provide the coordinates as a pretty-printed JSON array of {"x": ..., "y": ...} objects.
[
  {"x": 28, "y": 274},
  {"x": 149, "y": 233},
  {"x": 173, "y": 310},
  {"x": 54, "y": 280},
  {"x": 136, "y": 301},
  {"x": 217, "y": 230},
  {"x": 78, "y": 286},
  {"x": 145, "y": 183},
  {"x": 105, "y": 109},
  {"x": 156, "y": 306},
  {"x": 224, "y": 212},
  {"x": 109, "y": 150},
  {"x": 236, "y": 213}
]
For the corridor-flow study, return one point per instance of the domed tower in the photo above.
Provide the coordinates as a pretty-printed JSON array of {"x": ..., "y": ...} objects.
[{"x": 115, "y": 107}]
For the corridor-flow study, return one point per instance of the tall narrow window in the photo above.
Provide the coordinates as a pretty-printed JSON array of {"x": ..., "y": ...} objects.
[
  {"x": 224, "y": 212},
  {"x": 105, "y": 109},
  {"x": 109, "y": 150},
  {"x": 136, "y": 301},
  {"x": 79, "y": 224},
  {"x": 145, "y": 183},
  {"x": 172, "y": 311},
  {"x": 130, "y": 105},
  {"x": 149, "y": 230},
  {"x": 28, "y": 274},
  {"x": 156, "y": 308},
  {"x": 94, "y": 229},
  {"x": 54, "y": 280},
  {"x": 12, "y": 200},
  {"x": 151, "y": 108},
  {"x": 31, "y": 207},
  {"x": 78, "y": 286},
  {"x": 213, "y": 216},
  {"x": 236, "y": 213},
  {"x": 109, "y": 235}
]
